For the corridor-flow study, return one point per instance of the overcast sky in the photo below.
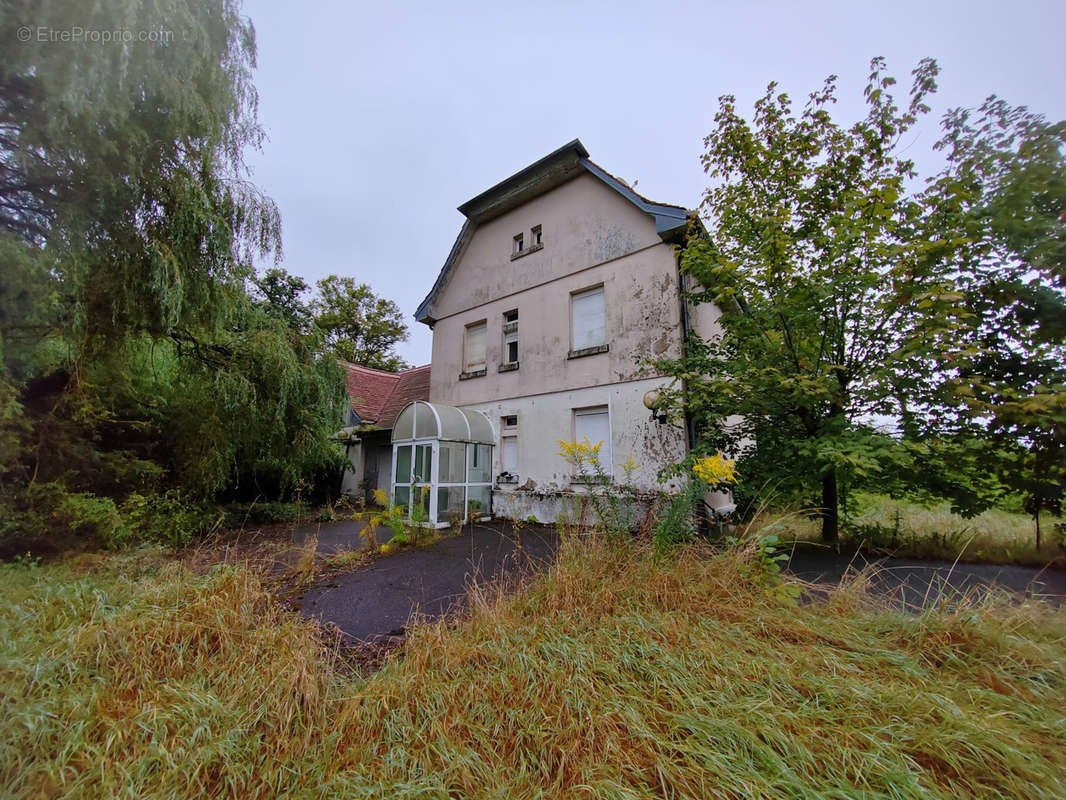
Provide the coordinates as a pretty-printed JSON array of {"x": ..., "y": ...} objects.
[{"x": 382, "y": 118}]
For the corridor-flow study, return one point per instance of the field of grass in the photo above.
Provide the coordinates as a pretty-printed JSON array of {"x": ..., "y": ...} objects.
[
  {"x": 612, "y": 676},
  {"x": 908, "y": 529}
]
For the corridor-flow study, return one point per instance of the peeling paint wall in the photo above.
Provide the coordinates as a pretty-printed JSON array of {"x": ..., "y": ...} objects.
[
  {"x": 544, "y": 419},
  {"x": 641, "y": 297},
  {"x": 583, "y": 223}
]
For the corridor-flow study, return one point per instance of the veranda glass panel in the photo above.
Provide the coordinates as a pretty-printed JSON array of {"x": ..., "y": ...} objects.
[
  {"x": 479, "y": 499},
  {"x": 403, "y": 464},
  {"x": 450, "y": 502},
  {"x": 425, "y": 422},
  {"x": 405, "y": 425},
  {"x": 452, "y": 467},
  {"x": 480, "y": 429},
  {"x": 478, "y": 463},
  {"x": 423, "y": 463},
  {"x": 402, "y": 497},
  {"x": 453, "y": 423}
]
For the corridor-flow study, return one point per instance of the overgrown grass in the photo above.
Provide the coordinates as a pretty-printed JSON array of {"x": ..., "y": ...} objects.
[
  {"x": 900, "y": 527},
  {"x": 611, "y": 676}
]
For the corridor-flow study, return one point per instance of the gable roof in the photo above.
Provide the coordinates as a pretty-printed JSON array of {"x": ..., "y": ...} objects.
[
  {"x": 378, "y": 396},
  {"x": 541, "y": 176}
]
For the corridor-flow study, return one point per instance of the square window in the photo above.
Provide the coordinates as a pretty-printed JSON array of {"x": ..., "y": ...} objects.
[
  {"x": 510, "y": 421},
  {"x": 474, "y": 347},
  {"x": 588, "y": 318}
]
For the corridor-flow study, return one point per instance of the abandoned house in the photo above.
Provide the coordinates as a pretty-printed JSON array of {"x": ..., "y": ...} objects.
[{"x": 562, "y": 283}]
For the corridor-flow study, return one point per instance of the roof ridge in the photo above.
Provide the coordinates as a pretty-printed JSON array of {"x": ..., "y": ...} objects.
[
  {"x": 670, "y": 220},
  {"x": 382, "y": 372},
  {"x": 629, "y": 186}
]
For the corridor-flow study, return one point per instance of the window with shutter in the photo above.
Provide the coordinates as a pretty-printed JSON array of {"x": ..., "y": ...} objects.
[
  {"x": 509, "y": 454},
  {"x": 588, "y": 319},
  {"x": 595, "y": 425},
  {"x": 475, "y": 347},
  {"x": 509, "y": 444}
]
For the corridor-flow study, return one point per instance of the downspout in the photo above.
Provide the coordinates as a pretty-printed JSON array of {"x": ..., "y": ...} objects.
[{"x": 686, "y": 329}]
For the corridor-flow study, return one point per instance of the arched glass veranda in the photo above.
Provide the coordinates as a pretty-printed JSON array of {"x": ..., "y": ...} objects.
[{"x": 442, "y": 461}]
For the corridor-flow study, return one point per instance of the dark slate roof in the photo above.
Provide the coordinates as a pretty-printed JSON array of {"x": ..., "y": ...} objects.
[
  {"x": 554, "y": 169},
  {"x": 378, "y": 396}
]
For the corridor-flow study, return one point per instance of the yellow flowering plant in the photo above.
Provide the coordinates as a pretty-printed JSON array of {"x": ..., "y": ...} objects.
[
  {"x": 715, "y": 470},
  {"x": 614, "y": 510}
]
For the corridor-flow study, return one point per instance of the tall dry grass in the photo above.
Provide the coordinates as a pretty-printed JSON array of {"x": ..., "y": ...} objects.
[{"x": 612, "y": 675}]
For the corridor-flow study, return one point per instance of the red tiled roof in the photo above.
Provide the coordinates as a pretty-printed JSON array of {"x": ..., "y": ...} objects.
[
  {"x": 413, "y": 385},
  {"x": 379, "y": 396}
]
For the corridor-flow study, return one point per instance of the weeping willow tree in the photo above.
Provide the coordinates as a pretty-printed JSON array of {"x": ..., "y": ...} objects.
[{"x": 132, "y": 355}]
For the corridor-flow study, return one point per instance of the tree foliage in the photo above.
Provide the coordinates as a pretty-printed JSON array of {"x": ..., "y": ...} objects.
[
  {"x": 1005, "y": 188},
  {"x": 814, "y": 258},
  {"x": 850, "y": 295},
  {"x": 357, "y": 325},
  {"x": 280, "y": 295},
  {"x": 133, "y": 357}
]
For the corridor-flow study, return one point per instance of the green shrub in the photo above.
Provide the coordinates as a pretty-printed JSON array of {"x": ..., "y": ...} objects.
[
  {"x": 46, "y": 517},
  {"x": 237, "y": 516},
  {"x": 169, "y": 518},
  {"x": 676, "y": 523}
]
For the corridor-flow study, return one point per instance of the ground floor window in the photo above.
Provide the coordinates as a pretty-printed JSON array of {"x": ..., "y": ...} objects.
[{"x": 594, "y": 424}]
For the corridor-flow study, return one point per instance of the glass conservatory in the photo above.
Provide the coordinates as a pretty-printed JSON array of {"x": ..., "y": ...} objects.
[{"x": 442, "y": 463}]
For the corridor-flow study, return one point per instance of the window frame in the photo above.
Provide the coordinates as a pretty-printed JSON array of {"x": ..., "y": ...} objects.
[
  {"x": 588, "y": 346},
  {"x": 607, "y": 464},
  {"x": 508, "y": 436},
  {"x": 468, "y": 365},
  {"x": 510, "y": 337}
]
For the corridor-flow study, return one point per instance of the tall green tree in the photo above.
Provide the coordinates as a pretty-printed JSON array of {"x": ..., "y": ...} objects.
[
  {"x": 1003, "y": 379},
  {"x": 359, "y": 326},
  {"x": 816, "y": 256},
  {"x": 132, "y": 354},
  {"x": 280, "y": 295}
]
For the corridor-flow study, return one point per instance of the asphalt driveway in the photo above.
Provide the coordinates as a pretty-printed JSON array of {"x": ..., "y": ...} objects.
[
  {"x": 917, "y": 584},
  {"x": 379, "y": 600}
]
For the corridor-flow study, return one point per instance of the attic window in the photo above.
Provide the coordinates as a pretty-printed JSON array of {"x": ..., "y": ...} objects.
[{"x": 519, "y": 245}]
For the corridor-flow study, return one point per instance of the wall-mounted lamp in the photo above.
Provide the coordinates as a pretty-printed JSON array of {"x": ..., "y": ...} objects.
[{"x": 653, "y": 402}]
